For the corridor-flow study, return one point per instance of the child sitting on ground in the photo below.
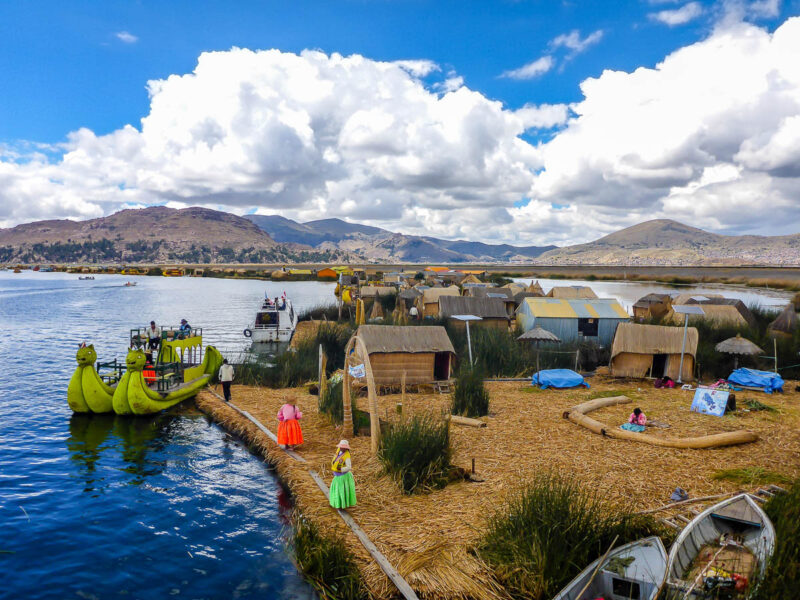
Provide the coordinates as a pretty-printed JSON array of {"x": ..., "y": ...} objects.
[{"x": 637, "y": 417}]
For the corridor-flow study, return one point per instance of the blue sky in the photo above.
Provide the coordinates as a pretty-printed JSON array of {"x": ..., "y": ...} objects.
[
  {"x": 63, "y": 66},
  {"x": 526, "y": 121}
]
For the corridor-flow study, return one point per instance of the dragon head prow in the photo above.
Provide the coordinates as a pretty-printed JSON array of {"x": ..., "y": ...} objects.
[
  {"x": 86, "y": 355},
  {"x": 135, "y": 360}
]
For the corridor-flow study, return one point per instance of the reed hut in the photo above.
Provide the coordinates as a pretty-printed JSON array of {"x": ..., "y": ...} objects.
[
  {"x": 653, "y": 351},
  {"x": 492, "y": 311},
  {"x": 785, "y": 324},
  {"x": 652, "y": 306},
  {"x": 503, "y": 293},
  {"x": 570, "y": 292},
  {"x": 471, "y": 279},
  {"x": 535, "y": 288},
  {"x": 716, "y": 309},
  {"x": 428, "y": 303},
  {"x": 373, "y": 291},
  {"x": 425, "y": 354}
]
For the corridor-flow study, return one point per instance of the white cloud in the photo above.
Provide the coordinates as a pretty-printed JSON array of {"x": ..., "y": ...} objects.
[
  {"x": 574, "y": 42},
  {"x": 126, "y": 37},
  {"x": 679, "y": 16},
  {"x": 710, "y": 136},
  {"x": 765, "y": 9},
  {"x": 540, "y": 66},
  {"x": 418, "y": 68},
  {"x": 707, "y": 136}
]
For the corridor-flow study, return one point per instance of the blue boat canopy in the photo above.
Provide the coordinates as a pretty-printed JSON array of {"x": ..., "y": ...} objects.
[
  {"x": 558, "y": 378},
  {"x": 769, "y": 381}
]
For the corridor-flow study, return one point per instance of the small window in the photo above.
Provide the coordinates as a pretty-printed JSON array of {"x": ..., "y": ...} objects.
[
  {"x": 587, "y": 327},
  {"x": 625, "y": 589}
]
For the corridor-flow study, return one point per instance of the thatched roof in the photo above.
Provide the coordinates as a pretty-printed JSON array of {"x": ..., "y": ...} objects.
[
  {"x": 372, "y": 290},
  {"x": 572, "y": 291},
  {"x": 646, "y": 301},
  {"x": 535, "y": 288},
  {"x": 729, "y": 314},
  {"x": 695, "y": 298},
  {"x": 410, "y": 294},
  {"x": 786, "y": 322},
  {"x": 432, "y": 295},
  {"x": 537, "y": 334},
  {"x": 738, "y": 345},
  {"x": 470, "y": 279},
  {"x": 392, "y": 338},
  {"x": 653, "y": 339},
  {"x": 486, "y": 308},
  {"x": 515, "y": 288}
]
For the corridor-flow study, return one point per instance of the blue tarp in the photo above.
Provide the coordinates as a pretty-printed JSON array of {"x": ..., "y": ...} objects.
[
  {"x": 558, "y": 378},
  {"x": 769, "y": 381}
]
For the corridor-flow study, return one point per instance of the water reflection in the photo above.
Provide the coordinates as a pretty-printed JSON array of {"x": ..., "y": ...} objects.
[{"x": 87, "y": 436}]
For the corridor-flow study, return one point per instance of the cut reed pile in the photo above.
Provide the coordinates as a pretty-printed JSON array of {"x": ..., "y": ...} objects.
[{"x": 431, "y": 537}]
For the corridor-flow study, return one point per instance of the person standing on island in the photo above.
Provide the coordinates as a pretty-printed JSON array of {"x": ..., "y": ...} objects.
[
  {"x": 289, "y": 432},
  {"x": 226, "y": 378},
  {"x": 343, "y": 486}
]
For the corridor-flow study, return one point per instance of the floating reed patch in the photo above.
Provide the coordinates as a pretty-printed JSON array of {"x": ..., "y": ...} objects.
[{"x": 430, "y": 537}]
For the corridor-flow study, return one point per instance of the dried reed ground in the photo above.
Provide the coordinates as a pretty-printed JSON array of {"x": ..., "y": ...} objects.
[{"x": 427, "y": 537}]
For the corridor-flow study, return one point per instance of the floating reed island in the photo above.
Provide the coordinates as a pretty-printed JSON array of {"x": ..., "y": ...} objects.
[{"x": 440, "y": 539}]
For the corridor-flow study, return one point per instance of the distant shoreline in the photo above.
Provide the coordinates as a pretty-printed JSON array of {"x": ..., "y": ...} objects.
[{"x": 778, "y": 277}]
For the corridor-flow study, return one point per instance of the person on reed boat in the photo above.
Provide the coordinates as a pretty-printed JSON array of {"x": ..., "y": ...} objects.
[
  {"x": 153, "y": 336},
  {"x": 343, "y": 486},
  {"x": 289, "y": 432}
]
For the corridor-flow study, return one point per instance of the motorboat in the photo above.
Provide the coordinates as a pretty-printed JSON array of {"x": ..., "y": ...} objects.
[
  {"x": 128, "y": 283},
  {"x": 635, "y": 570},
  {"x": 87, "y": 278},
  {"x": 275, "y": 321}
]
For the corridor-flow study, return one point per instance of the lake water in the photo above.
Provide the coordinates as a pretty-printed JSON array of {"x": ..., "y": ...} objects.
[
  {"x": 111, "y": 507},
  {"x": 628, "y": 292}
]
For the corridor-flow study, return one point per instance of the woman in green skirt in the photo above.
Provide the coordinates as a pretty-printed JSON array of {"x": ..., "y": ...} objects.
[{"x": 343, "y": 486}]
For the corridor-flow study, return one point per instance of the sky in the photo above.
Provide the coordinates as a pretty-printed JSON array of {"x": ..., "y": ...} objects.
[{"x": 529, "y": 122}]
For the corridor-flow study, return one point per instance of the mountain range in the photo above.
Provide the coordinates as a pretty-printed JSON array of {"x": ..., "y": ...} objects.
[
  {"x": 198, "y": 235},
  {"x": 375, "y": 244}
]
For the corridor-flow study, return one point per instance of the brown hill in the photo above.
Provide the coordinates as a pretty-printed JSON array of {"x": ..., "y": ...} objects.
[
  {"x": 667, "y": 242},
  {"x": 153, "y": 234}
]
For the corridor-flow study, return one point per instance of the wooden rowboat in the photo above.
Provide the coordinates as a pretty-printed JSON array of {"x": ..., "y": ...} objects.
[
  {"x": 633, "y": 571},
  {"x": 728, "y": 541}
]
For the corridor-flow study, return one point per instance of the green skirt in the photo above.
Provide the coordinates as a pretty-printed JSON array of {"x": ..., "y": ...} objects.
[{"x": 343, "y": 491}]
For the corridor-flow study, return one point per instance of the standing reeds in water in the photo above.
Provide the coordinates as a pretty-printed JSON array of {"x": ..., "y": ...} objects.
[
  {"x": 470, "y": 397},
  {"x": 551, "y": 530},
  {"x": 326, "y": 562},
  {"x": 416, "y": 453},
  {"x": 782, "y": 577}
]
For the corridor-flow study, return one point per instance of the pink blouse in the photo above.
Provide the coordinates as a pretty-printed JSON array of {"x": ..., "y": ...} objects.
[
  {"x": 288, "y": 412},
  {"x": 640, "y": 420}
]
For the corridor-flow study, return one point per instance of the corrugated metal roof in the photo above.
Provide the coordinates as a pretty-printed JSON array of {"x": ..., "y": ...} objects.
[
  {"x": 491, "y": 292},
  {"x": 393, "y": 338},
  {"x": 584, "y": 308},
  {"x": 486, "y": 308}
]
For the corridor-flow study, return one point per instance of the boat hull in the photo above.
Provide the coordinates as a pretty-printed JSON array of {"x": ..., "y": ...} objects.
[
  {"x": 740, "y": 515},
  {"x": 269, "y": 336},
  {"x": 645, "y": 572}
]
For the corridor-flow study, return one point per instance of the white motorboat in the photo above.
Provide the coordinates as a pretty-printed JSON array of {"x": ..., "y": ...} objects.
[
  {"x": 635, "y": 570},
  {"x": 275, "y": 321}
]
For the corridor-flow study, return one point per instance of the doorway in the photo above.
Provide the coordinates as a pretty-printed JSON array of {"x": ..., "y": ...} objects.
[
  {"x": 659, "y": 365},
  {"x": 441, "y": 366}
]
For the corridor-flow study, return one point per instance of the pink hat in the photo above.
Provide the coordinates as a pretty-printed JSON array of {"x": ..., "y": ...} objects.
[{"x": 343, "y": 444}]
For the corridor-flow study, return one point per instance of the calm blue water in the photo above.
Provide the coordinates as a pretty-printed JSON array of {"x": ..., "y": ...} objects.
[{"x": 110, "y": 507}]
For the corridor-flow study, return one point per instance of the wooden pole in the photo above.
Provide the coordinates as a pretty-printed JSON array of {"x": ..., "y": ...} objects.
[
  {"x": 346, "y": 401},
  {"x": 403, "y": 388},
  {"x": 775, "y": 352}
]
